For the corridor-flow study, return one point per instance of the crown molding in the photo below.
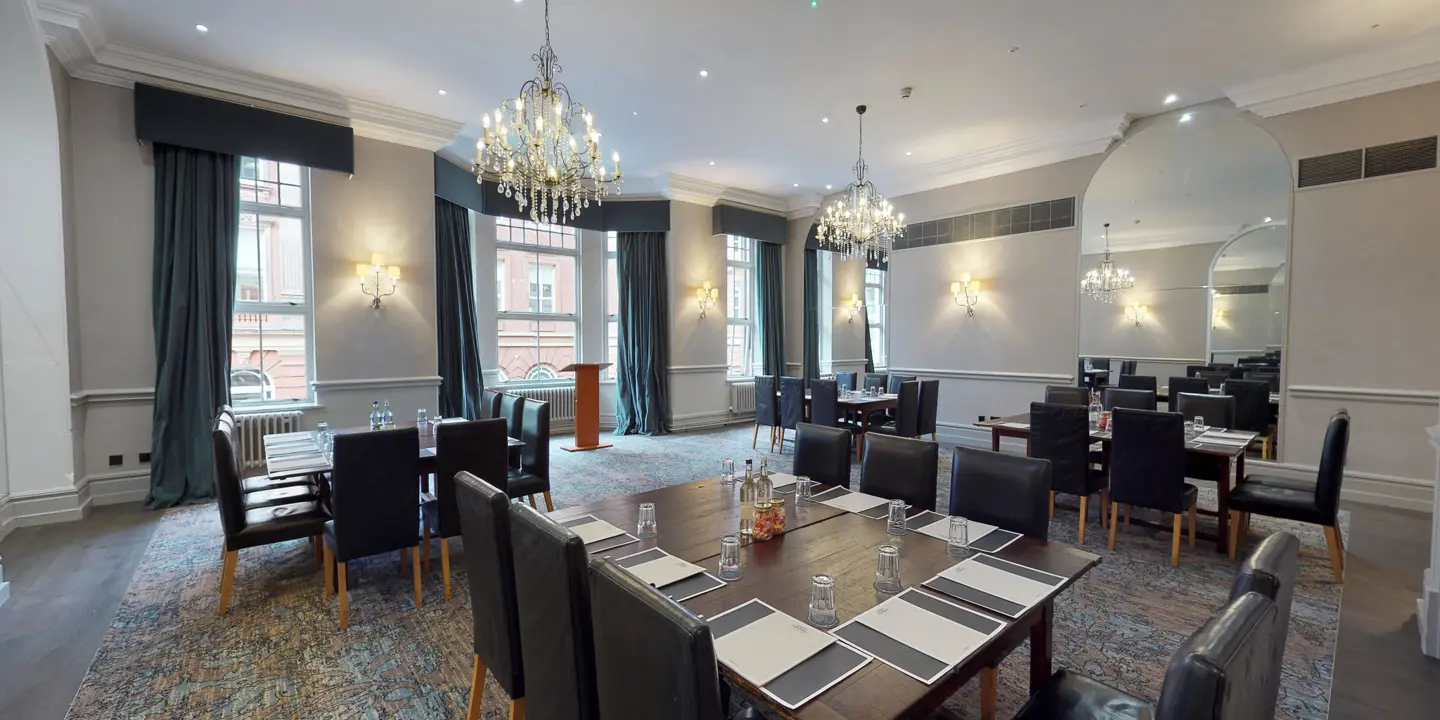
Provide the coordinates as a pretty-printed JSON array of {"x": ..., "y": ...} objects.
[
  {"x": 702, "y": 192},
  {"x": 70, "y": 31},
  {"x": 1407, "y": 64}
]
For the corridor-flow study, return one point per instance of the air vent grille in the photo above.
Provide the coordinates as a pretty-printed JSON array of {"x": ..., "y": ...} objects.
[
  {"x": 1333, "y": 168},
  {"x": 1242, "y": 289},
  {"x": 1034, "y": 217},
  {"x": 1400, "y": 157}
]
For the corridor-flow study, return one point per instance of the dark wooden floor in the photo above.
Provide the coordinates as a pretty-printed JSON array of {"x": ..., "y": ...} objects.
[{"x": 68, "y": 580}]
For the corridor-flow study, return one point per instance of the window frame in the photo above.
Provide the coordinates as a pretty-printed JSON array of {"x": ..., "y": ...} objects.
[
  {"x": 535, "y": 316},
  {"x": 612, "y": 253},
  {"x": 880, "y": 319},
  {"x": 306, "y": 310},
  {"x": 749, "y": 354}
]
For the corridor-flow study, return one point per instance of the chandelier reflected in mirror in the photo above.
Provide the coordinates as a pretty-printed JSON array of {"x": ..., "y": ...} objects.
[
  {"x": 1107, "y": 281},
  {"x": 860, "y": 223},
  {"x": 530, "y": 147}
]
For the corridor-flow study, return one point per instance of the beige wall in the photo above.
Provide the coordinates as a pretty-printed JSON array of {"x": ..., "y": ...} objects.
[{"x": 698, "y": 391}]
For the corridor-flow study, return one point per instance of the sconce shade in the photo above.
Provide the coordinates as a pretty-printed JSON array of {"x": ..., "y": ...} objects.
[
  {"x": 377, "y": 259},
  {"x": 362, "y": 269},
  {"x": 954, "y": 288},
  {"x": 394, "y": 272}
]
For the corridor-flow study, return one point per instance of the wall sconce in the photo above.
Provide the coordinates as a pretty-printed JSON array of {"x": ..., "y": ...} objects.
[
  {"x": 1218, "y": 319},
  {"x": 854, "y": 306},
  {"x": 707, "y": 297},
  {"x": 378, "y": 269},
  {"x": 1136, "y": 313},
  {"x": 966, "y": 293}
]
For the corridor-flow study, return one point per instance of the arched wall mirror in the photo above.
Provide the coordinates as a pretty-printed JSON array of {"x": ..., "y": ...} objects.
[{"x": 1198, "y": 207}]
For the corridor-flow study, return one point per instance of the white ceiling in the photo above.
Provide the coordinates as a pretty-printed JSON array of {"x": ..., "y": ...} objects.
[{"x": 776, "y": 67}]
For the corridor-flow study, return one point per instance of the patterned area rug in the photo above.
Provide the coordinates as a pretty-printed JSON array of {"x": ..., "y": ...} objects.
[{"x": 280, "y": 653}]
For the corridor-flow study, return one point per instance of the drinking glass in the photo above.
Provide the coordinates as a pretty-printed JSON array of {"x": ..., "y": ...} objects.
[
  {"x": 895, "y": 525},
  {"x": 1199, "y": 423},
  {"x": 803, "y": 489},
  {"x": 730, "y": 558},
  {"x": 887, "y": 570},
  {"x": 645, "y": 527},
  {"x": 822, "y": 601},
  {"x": 727, "y": 472},
  {"x": 420, "y": 419},
  {"x": 322, "y": 436},
  {"x": 958, "y": 543}
]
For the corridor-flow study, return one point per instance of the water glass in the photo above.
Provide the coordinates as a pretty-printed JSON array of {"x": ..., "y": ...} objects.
[
  {"x": 420, "y": 419},
  {"x": 730, "y": 558},
  {"x": 1199, "y": 423},
  {"x": 887, "y": 570},
  {"x": 322, "y": 436},
  {"x": 804, "y": 488},
  {"x": 727, "y": 472},
  {"x": 958, "y": 543},
  {"x": 822, "y": 601},
  {"x": 895, "y": 524},
  {"x": 645, "y": 527}
]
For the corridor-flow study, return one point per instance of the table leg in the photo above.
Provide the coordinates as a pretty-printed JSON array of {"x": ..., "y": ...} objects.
[
  {"x": 860, "y": 440},
  {"x": 1222, "y": 493},
  {"x": 995, "y": 439},
  {"x": 1041, "y": 649}
]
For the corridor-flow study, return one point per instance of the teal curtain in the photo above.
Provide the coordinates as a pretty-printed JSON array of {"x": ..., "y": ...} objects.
[
  {"x": 642, "y": 404},
  {"x": 772, "y": 311},
  {"x": 197, "y": 225},
  {"x": 455, "y": 324},
  {"x": 865, "y": 328},
  {"x": 812, "y": 315}
]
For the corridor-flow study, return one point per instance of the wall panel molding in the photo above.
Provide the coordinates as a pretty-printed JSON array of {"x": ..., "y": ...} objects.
[
  {"x": 999, "y": 376},
  {"x": 1384, "y": 396},
  {"x": 696, "y": 369},
  {"x": 117, "y": 396}
]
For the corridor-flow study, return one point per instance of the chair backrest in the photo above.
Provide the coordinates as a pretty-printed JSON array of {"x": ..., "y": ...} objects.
[
  {"x": 489, "y": 405},
  {"x": 477, "y": 447},
  {"x": 1127, "y": 367},
  {"x": 512, "y": 409},
  {"x": 845, "y": 380},
  {"x": 792, "y": 402},
  {"x": 1138, "y": 382},
  {"x": 929, "y": 406},
  {"x": 229, "y": 494},
  {"x": 1218, "y": 410},
  {"x": 1194, "y": 385},
  {"x": 535, "y": 433},
  {"x": 907, "y": 414},
  {"x": 1007, "y": 491},
  {"x": 1067, "y": 395},
  {"x": 375, "y": 492},
  {"x": 1215, "y": 378},
  {"x": 897, "y": 380},
  {"x": 490, "y": 566},
  {"x": 1147, "y": 459},
  {"x": 1133, "y": 399},
  {"x": 876, "y": 380},
  {"x": 1061, "y": 434},
  {"x": 1222, "y": 670},
  {"x": 653, "y": 658},
  {"x": 822, "y": 454},
  {"x": 900, "y": 468},
  {"x": 1270, "y": 570},
  {"x": 557, "y": 642},
  {"x": 1238, "y": 372},
  {"x": 1270, "y": 378},
  {"x": 1332, "y": 464},
  {"x": 1252, "y": 404},
  {"x": 1195, "y": 370},
  {"x": 767, "y": 406},
  {"x": 824, "y": 403}
]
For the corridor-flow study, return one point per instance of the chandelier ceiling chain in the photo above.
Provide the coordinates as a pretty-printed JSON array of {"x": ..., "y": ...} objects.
[
  {"x": 1107, "y": 281},
  {"x": 860, "y": 223},
  {"x": 533, "y": 154}
]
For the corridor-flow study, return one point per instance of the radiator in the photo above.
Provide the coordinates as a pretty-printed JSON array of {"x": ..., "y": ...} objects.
[
  {"x": 561, "y": 399},
  {"x": 252, "y": 430},
  {"x": 742, "y": 398}
]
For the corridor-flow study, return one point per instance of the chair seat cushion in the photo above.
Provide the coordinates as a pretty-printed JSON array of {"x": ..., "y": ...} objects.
[
  {"x": 281, "y": 496},
  {"x": 264, "y": 482},
  {"x": 279, "y": 523},
  {"x": 522, "y": 483},
  {"x": 1275, "y": 481},
  {"x": 1279, "y": 502},
  {"x": 1069, "y": 695}
]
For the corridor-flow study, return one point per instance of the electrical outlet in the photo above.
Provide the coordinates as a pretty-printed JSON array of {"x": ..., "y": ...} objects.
[
  {"x": 144, "y": 457},
  {"x": 117, "y": 460}
]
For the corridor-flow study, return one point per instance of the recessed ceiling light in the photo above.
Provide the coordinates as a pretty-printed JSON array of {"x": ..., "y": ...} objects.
[
  {"x": 712, "y": 162},
  {"x": 795, "y": 185},
  {"x": 1186, "y": 117},
  {"x": 634, "y": 112},
  {"x": 442, "y": 92},
  {"x": 1269, "y": 219},
  {"x": 907, "y": 153},
  {"x": 824, "y": 119},
  {"x": 704, "y": 73},
  {"x": 827, "y": 187},
  {"x": 202, "y": 28},
  {"x": 1015, "y": 48},
  {"x": 1171, "y": 99}
]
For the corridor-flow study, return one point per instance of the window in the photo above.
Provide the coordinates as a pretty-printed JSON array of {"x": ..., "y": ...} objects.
[
  {"x": 270, "y": 341},
  {"x": 876, "y": 311},
  {"x": 740, "y": 343},
  {"x": 612, "y": 306},
  {"x": 537, "y": 285}
]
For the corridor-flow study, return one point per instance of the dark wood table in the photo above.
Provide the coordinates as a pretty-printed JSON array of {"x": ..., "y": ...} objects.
[
  {"x": 427, "y": 451},
  {"x": 779, "y": 572},
  {"x": 1202, "y": 455},
  {"x": 859, "y": 408}
]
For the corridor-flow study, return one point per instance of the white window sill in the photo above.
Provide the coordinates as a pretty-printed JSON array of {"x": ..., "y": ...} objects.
[
  {"x": 276, "y": 407},
  {"x": 535, "y": 384}
]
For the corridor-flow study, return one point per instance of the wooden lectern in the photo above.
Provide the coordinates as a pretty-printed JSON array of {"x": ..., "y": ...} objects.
[{"x": 587, "y": 406}]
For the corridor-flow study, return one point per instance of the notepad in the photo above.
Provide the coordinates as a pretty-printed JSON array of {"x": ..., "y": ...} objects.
[
  {"x": 919, "y": 634},
  {"x": 996, "y": 585},
  {"x": 767, "y": 647},
  {"x": 593, "y": 530},
  {"x": 304, "y": 462},
  {"x": 1017, "y": 425},
  {"x": 808, "y": 678},
  {"x": 661, "y": 569},
  {"x": 854, "y": 502},
  {"x": 983, "y": 537},
  {"x": 782, "y": 482}
]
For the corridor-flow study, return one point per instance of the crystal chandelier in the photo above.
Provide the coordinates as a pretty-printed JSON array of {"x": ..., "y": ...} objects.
[
  {"x": 529, "y": 147},
  {"x": 860, "y": 224},
  {"x": 1107, "y": 281}
]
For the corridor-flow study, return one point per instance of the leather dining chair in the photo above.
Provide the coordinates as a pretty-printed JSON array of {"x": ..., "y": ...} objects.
[
  {"x": 1127, "y": 367},
  {"x": 1320, "y": 505},
  {"x": 1271, "y": 571},
  {"x": 929, "y": 408},
  {"x": 1067, "y": 395},
  {"x": 373, "y": 501},
  {"x": 900, "y": 468},
  {"x": 1271, "y": 378},
  {"x": 1132, "y": 399},
  {"x": 897, "y": 382},
  {"x": 767, "y": 409},
  {"x": 1218, "y": 410},
  {"x": 1007, "y": 491},
  {"x": 533, "y": 477},
  {"x": 878, "y": 381},
  {"x": 845, "y": 380},
  {"x": 1061, "y": 435},
  {"x": 260, "y": 485},
  {"x": 1195, "y": 370},
  {"x": 1147, "y": 468},
  {"x": 246, "y": 528},
  {"x": 822, "y": 454},
  {"x": 1238, "y": 372},
  {"x": 489, "y": 405},
  {"x": 792, "y": 405},
  {"x": 1194, "y": 385},
  {"x": 1214, "y": 378},
  {"x": 1252, "y": 409},
  {"x": 476, "y": 447},
  {"x": 1137, "y": 382},
  {"x": 494, "y": 611},
  {"x": 824, "y": 403},
  {"x": 907, "y": 413},
  {"x": 552, "y": 594},
  {"x": 512, "y": 409}
]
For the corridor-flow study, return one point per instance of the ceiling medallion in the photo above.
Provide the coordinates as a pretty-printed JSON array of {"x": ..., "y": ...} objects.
[
  {"x": 860, "y": 224},
  {"x": 1107, "y": 281},
  {"x": 530, "y": 149}
]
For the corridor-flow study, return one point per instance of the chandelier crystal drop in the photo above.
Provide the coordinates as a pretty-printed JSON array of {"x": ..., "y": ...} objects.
[
  {"x": 530, "y": 147},
  {"x": 1107, "y": 281},
  {"x": 860, "y": 224}
]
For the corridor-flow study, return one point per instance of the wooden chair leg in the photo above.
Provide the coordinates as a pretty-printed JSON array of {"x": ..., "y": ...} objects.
[
  {"x": 329, "y": 571},
  {"x": 989, "y": 692},
  {"x": 531, "y": 499},
  {"x": 477, "y": 691},
  {"x": 425, "y": 544},
  {"x": 415, "y": 560},
  {"x": 1194, "y": 511},
  {"x": 445, "y": 564},
  {"x": 1235, "y": 516},
  {"x": 1084, "y": 513},
  {"x": 1052, "y": 503},
  {"x": 1104, "y": 503},
  {"x": 1127, "y": 519},
  {"x": 756, "y": 437},
  {"x": 404, "y": 562},
  {"x": 1175, "y": 542},
  {"x": 344, "y": 595},
  {"x": 549, "y": 504},
  {"x": 1332, "y": 539},
  {"x": 517, "y": 709},
  {"x": 227, "y": 578},
  {"x": 1114, "y": 522}
]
